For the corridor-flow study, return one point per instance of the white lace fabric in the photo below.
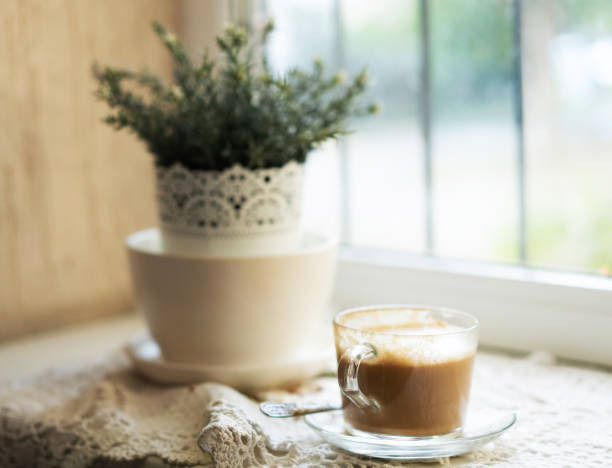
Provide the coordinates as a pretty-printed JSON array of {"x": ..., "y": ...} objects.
[
  {"x": 233, "y": 203},
  {"x": 104, "y": 415}
]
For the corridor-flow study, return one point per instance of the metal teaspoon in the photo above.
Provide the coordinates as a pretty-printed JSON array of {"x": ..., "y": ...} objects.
[{"x": 286, "y": 410}]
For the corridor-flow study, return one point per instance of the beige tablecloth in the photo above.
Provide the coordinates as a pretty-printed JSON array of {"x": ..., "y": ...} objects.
[{"x": 104, "y": 414}]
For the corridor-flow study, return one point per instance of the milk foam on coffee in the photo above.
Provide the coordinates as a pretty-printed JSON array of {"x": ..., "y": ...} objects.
[{"x": 409, "y": 335}]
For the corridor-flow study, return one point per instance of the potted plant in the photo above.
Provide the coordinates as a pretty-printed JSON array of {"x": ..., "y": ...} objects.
[
  {"x": 236, "y": 286},
  {"x": 229, "y": 137}
]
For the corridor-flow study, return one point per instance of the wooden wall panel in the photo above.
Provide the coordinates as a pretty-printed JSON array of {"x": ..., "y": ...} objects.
[{"x": 71, "y": 189}]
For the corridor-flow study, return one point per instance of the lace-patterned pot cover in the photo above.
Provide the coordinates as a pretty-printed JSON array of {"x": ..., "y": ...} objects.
[
  {"x": 106, "y": 416},
  {"x": 233, "y": 203}
]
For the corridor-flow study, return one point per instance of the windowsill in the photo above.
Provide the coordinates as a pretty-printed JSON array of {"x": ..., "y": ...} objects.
[
  {"x": 520, "y": 310},
  {"x": 67, "y": 346},
  {"x": 79, "y": 344}
]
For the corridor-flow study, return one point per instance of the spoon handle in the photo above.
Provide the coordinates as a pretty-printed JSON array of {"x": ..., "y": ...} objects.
[{"x": 286, "y": 410}]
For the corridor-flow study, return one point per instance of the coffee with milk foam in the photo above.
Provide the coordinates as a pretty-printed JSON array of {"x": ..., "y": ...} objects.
[{"x": 420, "y": 376}]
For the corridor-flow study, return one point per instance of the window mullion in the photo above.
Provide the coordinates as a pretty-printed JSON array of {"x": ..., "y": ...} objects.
[
  {"x": 345, "y": 192},
  {"x": 517, "y": 80},
  {"x": 425, "y": 118}
]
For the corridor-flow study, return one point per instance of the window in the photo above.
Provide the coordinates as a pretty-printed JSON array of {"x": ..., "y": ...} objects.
[
  {"x": 494, "y": 143},
  {"x": 494, "y": 146}
]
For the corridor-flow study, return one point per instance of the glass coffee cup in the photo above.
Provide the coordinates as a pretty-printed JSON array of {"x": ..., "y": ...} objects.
[{"x": 405, "y": 370}]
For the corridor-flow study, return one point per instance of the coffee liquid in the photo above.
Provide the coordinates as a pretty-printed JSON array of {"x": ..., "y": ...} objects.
[
  {"x": 417, "y": 396},
  {"x": 414, "y": 399}
]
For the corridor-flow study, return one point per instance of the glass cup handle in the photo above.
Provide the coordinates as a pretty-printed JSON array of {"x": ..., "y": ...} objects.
[{"x": 348, "y": 370}]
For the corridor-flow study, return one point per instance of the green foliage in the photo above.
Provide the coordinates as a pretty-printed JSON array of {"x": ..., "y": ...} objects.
[{"x": 237, "y": 111}]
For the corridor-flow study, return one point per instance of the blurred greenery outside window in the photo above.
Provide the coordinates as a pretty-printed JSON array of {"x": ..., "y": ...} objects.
[{"x": 567, "y": 106}]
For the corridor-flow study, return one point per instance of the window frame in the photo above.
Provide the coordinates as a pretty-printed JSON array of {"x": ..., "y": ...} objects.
[{"x": 520, "y": 308}]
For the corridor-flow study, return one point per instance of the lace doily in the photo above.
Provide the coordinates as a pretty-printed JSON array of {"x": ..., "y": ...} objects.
[
  {"x": 105, "y": 414},
  {"x": 236, "y": 202}
]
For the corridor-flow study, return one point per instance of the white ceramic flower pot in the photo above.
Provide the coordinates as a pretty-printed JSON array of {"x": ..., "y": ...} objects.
[
  {"x": 236, "y": 210},
  {"x": 229, "y": 310}
]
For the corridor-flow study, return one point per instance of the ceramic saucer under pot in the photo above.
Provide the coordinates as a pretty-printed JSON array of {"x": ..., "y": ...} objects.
[{"x": 149, "y": 362}]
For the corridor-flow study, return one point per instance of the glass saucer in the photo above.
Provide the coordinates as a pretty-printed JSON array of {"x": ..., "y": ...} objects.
[{"x": 482, "y": 427}]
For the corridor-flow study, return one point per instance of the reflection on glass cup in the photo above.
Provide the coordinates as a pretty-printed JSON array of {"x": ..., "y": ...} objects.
[{"x": 405, "y": 370}]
